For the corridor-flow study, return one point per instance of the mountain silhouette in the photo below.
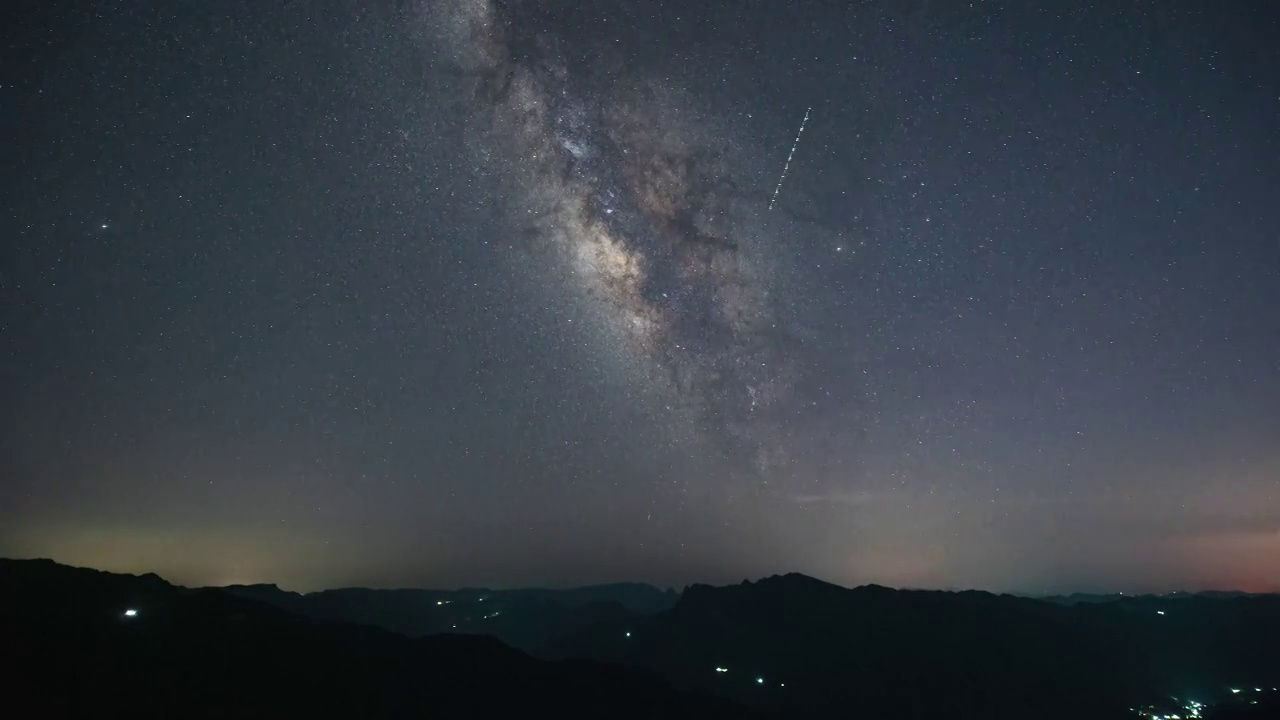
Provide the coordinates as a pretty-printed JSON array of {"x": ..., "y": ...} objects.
[
  {"x": 525, "y": 618},
  {"x": 810, "y": 648},
  {"x": 83, "y": 643},
  {"x": 92, "y": 643}
]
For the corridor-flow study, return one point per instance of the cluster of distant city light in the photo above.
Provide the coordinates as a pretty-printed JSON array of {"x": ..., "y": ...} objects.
[
  {"x": 1192, "y": 709},
  {"x": 759, "y": 679}
]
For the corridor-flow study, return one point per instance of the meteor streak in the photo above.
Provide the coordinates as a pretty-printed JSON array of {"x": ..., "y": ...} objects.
[{"x": 790, "y": 155}]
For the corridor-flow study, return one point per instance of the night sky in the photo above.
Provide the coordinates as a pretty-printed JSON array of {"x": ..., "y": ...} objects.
[{"x": 480, "y": 292}]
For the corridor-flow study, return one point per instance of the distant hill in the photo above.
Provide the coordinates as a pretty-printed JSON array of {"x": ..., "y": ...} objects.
[
  {"x": 525, "y": 619},
  {"x": 83, "y": 643},
  {"x": 786, "y": 646},
  {"x": 813, "y": 649}
]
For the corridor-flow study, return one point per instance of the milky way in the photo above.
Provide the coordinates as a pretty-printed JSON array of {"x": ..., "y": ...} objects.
[
  {"x": 440, "y": 293},
  {"x": 640, "y": 199}
]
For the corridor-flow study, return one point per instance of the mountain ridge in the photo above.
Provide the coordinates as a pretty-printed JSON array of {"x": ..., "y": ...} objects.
[
  {"x": 81, "y": 642},
  {"x": 788, "y": 644}
]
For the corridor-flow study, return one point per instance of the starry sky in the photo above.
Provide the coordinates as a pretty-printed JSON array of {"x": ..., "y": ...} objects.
[{"x": 487, "y": 292}]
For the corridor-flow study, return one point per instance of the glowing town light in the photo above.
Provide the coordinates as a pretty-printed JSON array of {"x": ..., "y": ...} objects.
[
  {"x": 1235, "y": 691},
  {"x": 130, "y": 613},
  {"x": 722, "y": 670},
  {"x": 759, "y": 681},
  {"x": 1159, "y": 612},
  {"x": 628, "y": 633}
]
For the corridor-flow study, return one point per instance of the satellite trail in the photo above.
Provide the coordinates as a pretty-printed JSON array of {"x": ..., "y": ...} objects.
[{"x": 790, "y": 155}]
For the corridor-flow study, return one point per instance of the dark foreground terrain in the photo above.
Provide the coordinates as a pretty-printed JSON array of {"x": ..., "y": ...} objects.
[
  {"x": 814, "y": 649},
  {"x": 787, "y": 646},
  {"x": 71, "y": 650}
]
